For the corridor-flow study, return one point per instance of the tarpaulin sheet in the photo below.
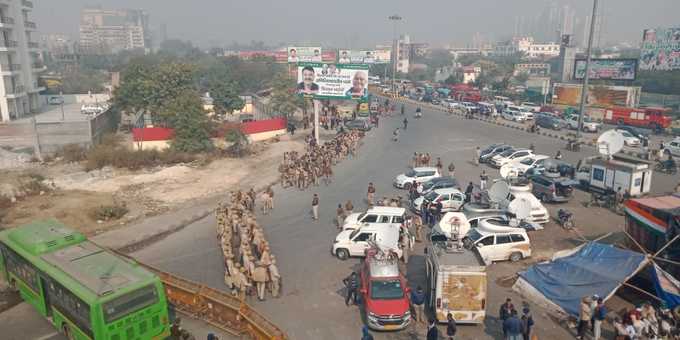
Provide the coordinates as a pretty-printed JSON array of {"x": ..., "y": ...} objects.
[
  {"x": 666, "y": 286},
  {"x": 594, "y": 269}
]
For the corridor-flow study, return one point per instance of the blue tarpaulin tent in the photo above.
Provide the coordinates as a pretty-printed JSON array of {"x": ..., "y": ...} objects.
[{"x": 594, "y": 268}]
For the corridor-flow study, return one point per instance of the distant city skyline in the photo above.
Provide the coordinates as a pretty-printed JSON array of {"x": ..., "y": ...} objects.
[{"x": 209, "y": 23}]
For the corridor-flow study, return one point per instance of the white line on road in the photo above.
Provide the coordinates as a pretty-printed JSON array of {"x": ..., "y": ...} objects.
[{"x": 45, "y": 337}]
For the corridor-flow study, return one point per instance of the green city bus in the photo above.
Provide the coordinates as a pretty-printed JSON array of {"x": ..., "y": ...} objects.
[{"x": 85, "y": 291}]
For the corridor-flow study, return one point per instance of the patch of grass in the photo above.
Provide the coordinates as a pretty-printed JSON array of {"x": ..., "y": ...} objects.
[
  {"x": 111, "y": 153},
  {"x": 114, "y": 211},
  {"x": 73, "y": 153}
]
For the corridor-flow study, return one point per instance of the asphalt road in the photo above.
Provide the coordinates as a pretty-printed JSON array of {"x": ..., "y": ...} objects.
[{"x": 313, "y": 306}]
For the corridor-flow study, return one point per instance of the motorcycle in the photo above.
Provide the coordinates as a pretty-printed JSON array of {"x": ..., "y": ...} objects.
[
  {"x": 573, "y": 145},
  {"x": 418, "y": 113},
  {"x": 667, "y": 166},
  {"x": 565, "y": 219}
]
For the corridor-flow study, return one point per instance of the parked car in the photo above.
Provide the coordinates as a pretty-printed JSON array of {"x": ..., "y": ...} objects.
[
  {"x": 492, "y": 150},
  {"x": 673, "y": 147},
  {"x": 637, "y": 132},
  {"x": 552, "y": 189},
  {"x": 419, "y": 174},
  {"x": 589, "y": 125},
  {"x": 539, "y": 214},
  {"x": 528, "y": 114},
  {"x": 628, "y": 138},
  {"x": 514, "y": 114},
  {"x": 548, "y": 122},
  {"x": 358, "y": 124},
  {"x": 470, "y": 107},
  {"x": 530, "y": 106},
  {"x": 439, "y": 183},
  {"x": 451, "y": 198},
  {"x": 384, "y": 293},
  {"x": 452, "y": 104},
  {"x": 355, "y": 242},
  {"x": 375, "y": 216},
  {"x": 510, "y": 155},
  {"x": 55, "y": 100},
  {"x": 510, "y": 244},
  {"x": 518, "y": 168}
]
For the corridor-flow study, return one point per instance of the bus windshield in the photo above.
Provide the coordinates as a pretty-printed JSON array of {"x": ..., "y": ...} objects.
[{"x": 130, "y": 302}]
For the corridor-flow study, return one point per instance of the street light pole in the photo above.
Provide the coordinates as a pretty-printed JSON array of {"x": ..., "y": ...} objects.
[
  {"x": 395, "y": 19},
  {"x": 586, "y": 77}
]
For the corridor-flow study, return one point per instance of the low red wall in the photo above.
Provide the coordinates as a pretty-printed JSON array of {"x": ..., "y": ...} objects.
[
  {"x": 152, "y": 134},
  {"x": 266, "y": 125},
  {"x": 249, "y": 128}
]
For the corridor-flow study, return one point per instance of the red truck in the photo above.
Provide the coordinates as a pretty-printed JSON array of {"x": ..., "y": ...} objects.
[
  {"x": 649, "y": 117},
  {"x": 465, "y": 93},
  {"x": 384, "y": 292}
]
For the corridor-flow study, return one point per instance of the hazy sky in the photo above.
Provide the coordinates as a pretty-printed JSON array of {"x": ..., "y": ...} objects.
[{"x": 359, "y": 23}]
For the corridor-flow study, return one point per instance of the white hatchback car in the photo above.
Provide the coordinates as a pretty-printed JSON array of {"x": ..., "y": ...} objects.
[
  {"x": 518, "y": 168},
  {"x": 510, "y": 155},
  {"x": 452, "y": 199},
  {"x": 419, "y": 175}
]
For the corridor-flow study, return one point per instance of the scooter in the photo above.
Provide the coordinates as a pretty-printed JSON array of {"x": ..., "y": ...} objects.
[
  {"x": 418, "y": 113},
  {"x": 565, "y": 219}
]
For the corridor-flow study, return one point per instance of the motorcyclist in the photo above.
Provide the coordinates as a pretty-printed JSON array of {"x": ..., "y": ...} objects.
[{"x": 395, "y": 135}]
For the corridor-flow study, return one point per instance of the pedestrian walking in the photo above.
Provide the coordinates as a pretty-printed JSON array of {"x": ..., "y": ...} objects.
[
  {"x": 432, "y": 330},
  {"x": 260, "y": 278},
  {"x": 450, "y": 326},
  {"x": 452, "y": 169},
  {"x": 405, "y": 123},
  {"x": 418, "y": 222},
  {"x": 274, "y": 278},
  {"x": 584, "y": 317},
  {"x": 598, "y": 316},
  {"x": 405, "y": 244},
  {"x": 483, "y": 177},
  {"x": 340, "y": 215},
  {"x": 418, "y": 302},
  {"x": 349, "y": 207},
  {"x": 370, "y": 195},
  {"x": 315, "y": 207},
  {"x": 512, "y": 327},
  {"x": 478, "y": 153},
  {"x": 365, "y": 334},
  {"x": 351, "y": 284},
  {"x": 527, "y": 323},
  {"x": 505, "y": 311},
  {"x": 439, "y": 165}
]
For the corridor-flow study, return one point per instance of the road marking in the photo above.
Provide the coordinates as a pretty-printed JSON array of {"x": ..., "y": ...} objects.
[{"x": 45, "y": 337}]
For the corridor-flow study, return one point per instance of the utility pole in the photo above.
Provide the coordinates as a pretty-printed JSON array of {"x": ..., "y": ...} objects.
[
  {"x": 395, "y": 46},
  {"x": 584, "y": 89}
]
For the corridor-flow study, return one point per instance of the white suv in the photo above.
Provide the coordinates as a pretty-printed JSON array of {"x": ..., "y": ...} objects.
[
  {"x": 375, "y": 216},
  {"x": 420, "y": 175},
  {"x": 452, "y": 199},
  {"x": 510, "y": 155},
  {"x": 588, "y": 124}
]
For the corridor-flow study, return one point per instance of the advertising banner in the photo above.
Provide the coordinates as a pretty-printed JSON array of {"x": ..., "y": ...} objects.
[
  {"x": 278, "y": 56},
  {"x": 363, "y": 57},
  {"x": 660, "y": 49},
  {"x": 330, "y": 81},
  {"x": 606, "y": 69},
  {"x": 304, "y": 54},
  {"x": 598, "y": 95}
]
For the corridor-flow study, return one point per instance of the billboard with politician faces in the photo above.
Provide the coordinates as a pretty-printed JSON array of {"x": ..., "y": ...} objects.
[
  {"x": 606, "y": 69},
  {"x": 331, "y": 81},
  {"x": 363, "y": 57},
  {"x": 660, "y": 49},
  {"x": 304, "y": 54}
]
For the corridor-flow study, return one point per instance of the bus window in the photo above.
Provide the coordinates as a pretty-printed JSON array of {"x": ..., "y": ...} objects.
[{"x": 130, "y": 303}]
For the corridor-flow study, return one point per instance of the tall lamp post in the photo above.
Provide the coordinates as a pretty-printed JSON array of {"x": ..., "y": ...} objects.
[
  {"x": 395, "y": 45},
  {"x": 586, "y": 77}
]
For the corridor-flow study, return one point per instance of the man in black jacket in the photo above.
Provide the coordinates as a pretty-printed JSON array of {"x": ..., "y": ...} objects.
[{"x": 352, "y": 284}]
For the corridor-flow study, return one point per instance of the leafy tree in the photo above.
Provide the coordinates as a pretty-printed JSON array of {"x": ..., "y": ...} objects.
[
  {"x": 454, "y": 78},
  {"x": 192, "y": 127},
  {"x": 239, "y": 140},
  {"x": 223, "y": 90},
  {"x": 439, "y": 58},
  {"x": 521, "y": 78},
  {"x": 149, "y": 88},
  {"x": 179, "y": 48},
  {"x": 283, "y": 97}
]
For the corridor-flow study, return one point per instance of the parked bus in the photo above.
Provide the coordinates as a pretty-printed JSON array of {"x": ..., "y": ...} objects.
[{"x": 85, "y": 291}]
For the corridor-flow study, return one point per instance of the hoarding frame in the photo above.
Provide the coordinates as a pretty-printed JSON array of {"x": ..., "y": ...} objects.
[
  {"x": 343, "y": 75},
  {"x": 595, "y": 64}
]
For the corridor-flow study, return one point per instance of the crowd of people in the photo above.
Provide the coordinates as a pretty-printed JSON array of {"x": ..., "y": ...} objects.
[
  {"x": 303, "y": 171},
  {"x": 250, "y": 267}
]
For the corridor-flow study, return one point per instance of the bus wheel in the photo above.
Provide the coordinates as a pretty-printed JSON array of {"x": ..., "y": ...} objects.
[{"x": 67, "y": 332}]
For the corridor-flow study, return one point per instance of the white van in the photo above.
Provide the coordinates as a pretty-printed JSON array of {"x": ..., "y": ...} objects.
[
  {"x": 355, "y": 242},
  {"x": 375, "y": 216},
  {"x": 499, "y": 244}
]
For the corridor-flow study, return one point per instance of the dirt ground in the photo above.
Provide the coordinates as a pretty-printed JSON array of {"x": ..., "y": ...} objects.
[{"x": 76, "y": 194}]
